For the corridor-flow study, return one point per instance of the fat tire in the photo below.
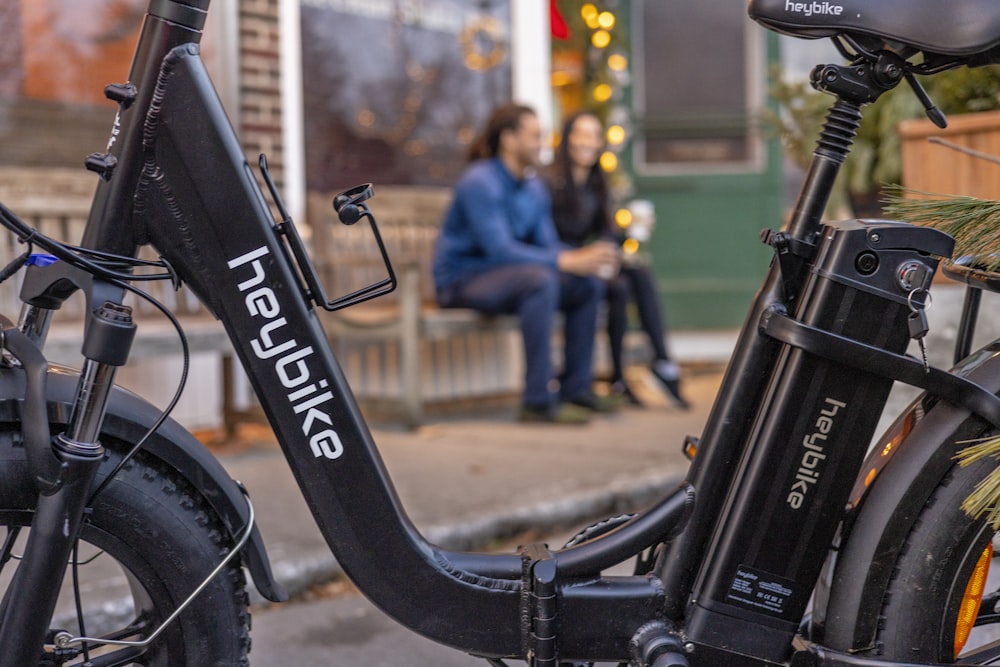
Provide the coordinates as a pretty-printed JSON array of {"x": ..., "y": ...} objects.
[
  {"x": 167, "y": 540},
  {"x": 920, "y": 603}
]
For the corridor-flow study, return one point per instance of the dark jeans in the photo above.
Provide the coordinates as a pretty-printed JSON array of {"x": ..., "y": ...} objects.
[
  {"x": 635, "y": 282},
  {"x": 536, "y": 293}
]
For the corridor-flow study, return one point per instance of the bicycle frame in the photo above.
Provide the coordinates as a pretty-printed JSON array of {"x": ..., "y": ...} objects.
[{"x": 176, "y": 178}]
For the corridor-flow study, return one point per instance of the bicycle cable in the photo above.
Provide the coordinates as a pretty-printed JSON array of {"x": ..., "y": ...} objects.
[
  {"x": 181, "y": 384},
  {"x": 78, "y": 257}
]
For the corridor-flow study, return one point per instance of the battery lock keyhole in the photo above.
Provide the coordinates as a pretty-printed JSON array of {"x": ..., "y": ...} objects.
[{"x": 912, "y": 275}]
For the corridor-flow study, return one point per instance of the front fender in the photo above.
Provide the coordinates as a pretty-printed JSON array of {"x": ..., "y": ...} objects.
[
  {"x": 900, "y": 473},
  {"x": 128, "y": 418}
]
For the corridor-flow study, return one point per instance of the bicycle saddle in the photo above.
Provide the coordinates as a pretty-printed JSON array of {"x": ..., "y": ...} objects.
[{"x": 945, "y": 27}]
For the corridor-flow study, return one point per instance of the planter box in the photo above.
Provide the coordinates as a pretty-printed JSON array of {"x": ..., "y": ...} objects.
[{"x": 934, "y": 168}]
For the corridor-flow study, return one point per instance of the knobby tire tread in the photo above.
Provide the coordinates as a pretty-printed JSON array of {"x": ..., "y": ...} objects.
[{"x": 158, "y": 526}]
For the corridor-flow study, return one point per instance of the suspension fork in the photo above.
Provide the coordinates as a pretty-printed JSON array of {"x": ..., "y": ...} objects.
[{"x": 63, "y": 469}]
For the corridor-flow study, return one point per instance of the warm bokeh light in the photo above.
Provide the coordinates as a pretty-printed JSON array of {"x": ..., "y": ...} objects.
[
  {"x": 601, "y": 39},
  {"x": 623, "y": 217},
  {"x": 616, "y": 134},
  {"x": 617, "y": 62},
  {"x": 630, "y": 246},
  {"x": 609, "y": 161},
  {"x": 589, "y": 13},
  {"x": 606, "y": 20},
  {"x": 602, "y": 92}
]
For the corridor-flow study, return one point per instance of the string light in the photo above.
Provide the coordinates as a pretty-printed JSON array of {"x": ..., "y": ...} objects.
[
  {"x": 602, "y": 92},
  {"x": 606, "y": 20},
  {"x": 609, "y": 161},
  {"x": 590, "y": 15},
  {"x": 623, "y": 217},
  {"x": 601, "y": 38},
  {"x": 617, "y": 62},
  {"x": 616, "y": 135}
]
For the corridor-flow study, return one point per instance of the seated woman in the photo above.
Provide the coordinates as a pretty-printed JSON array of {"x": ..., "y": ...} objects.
[{"x": 579, "y": 191}]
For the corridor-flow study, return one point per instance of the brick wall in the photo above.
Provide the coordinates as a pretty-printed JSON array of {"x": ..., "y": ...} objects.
[{"x": 259, "y": 119}]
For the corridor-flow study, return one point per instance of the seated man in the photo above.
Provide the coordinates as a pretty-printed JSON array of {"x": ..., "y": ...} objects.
[{"x": 498, "y": 253}]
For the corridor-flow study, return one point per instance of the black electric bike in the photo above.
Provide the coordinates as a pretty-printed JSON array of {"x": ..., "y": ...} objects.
[{"x": 786, "y": 545}]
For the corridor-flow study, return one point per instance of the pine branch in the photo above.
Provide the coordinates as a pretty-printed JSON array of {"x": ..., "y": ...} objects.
[
  {"x": 985, "y": 498},
  {"x": 974, "y": 223}
]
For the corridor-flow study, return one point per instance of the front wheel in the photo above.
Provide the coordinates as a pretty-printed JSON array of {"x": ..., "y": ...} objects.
[{"x": 149, "y": 541}]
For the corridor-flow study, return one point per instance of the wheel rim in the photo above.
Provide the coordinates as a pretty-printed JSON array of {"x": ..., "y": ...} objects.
[{"x": 131, "y": 616}]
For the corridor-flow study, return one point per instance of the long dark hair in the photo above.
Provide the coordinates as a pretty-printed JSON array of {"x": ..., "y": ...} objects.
[
  {"x": 504, "y": 118},
  {"x": 565, "y": 202}
]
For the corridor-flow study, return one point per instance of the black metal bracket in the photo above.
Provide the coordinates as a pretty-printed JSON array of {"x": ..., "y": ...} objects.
[
  {"x": 792, "y": 254},
  {"x": 953, "y": 388}
]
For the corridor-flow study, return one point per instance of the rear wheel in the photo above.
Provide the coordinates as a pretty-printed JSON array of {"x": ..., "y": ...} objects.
[
  {"x": 148, "y": 543},
  {"x": 931, "y": 609}
]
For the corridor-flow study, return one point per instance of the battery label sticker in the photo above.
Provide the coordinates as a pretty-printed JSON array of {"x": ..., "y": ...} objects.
[{"x": 760, "y": 590}]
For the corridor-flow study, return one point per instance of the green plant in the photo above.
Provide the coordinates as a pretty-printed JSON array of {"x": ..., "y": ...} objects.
[{"x": 875, "y": 158}]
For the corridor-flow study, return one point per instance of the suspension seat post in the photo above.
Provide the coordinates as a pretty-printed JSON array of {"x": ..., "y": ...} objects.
[{"x": 836, "y": 138}]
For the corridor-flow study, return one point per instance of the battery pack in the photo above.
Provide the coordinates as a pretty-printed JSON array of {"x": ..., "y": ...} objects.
[{"x": 809, "y": 439}]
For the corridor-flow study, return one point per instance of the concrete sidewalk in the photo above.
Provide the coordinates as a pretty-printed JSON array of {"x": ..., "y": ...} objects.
[{"x": 468, "y": 482}]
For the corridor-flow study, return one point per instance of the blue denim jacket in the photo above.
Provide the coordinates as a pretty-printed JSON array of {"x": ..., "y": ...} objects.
[{"x": 494, "y": 220}]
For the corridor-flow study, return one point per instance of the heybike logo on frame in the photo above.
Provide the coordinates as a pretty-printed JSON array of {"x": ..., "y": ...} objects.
[
  {"x": 814, "y": 8},
  {"x": 305, "y": 396}
]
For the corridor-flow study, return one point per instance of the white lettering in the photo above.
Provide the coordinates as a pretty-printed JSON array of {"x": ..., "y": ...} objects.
[
  {"x": 326, "y": 443},
  {"x": 264, "y": 347},
  {"x": 292, "y": 369},
  {"x": 248, "y": 257},
  {"x": 262, "y": 301},
  {"x": 824, "y": 8},
  {"x": 303, "y": 373}
]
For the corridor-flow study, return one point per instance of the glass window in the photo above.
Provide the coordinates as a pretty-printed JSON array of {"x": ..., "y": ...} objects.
[
  {"x": 699, "y": 65},
  {"x": 56, "y": 57},
  {"x": 395, "y": 91}
]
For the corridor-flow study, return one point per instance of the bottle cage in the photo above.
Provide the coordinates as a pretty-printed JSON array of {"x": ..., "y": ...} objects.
[{"x": 350, "y": 207}]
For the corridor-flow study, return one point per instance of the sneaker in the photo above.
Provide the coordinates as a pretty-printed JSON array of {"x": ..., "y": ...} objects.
[
  {"x": 669, "y": 374},
  {"x": 595, "y": 403},
  {"x": 624, "y": 393},
  {"x": 554, "y": 413}
]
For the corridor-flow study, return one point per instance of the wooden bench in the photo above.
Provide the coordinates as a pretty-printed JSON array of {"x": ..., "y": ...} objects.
[
  {"x": 57, "y": 202},
  {"x": 401, "y": 352}
]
